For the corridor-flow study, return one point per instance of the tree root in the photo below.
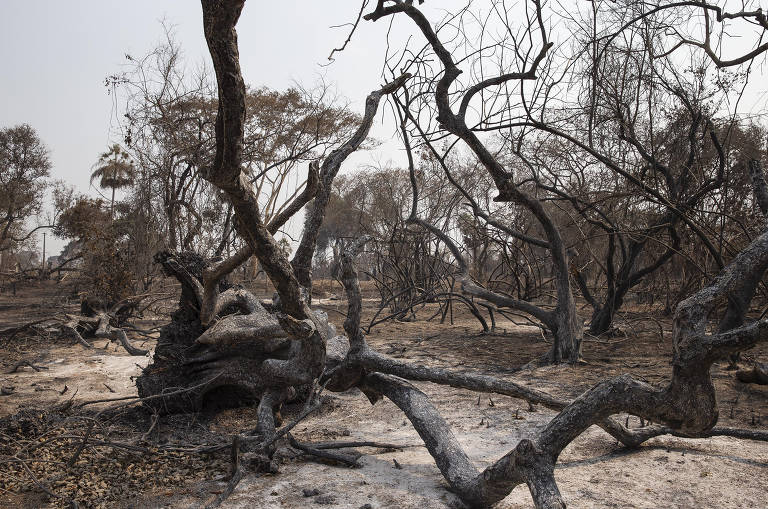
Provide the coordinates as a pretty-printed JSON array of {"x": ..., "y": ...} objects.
[
  {"x": 757, "y": 374},
  {"x": 26, "y": 362},
  {"x": 346, "y": 459},
  {"x": 105, "y": 330},
  {"x": 11, "y": 332},
  {"x": 99, "y": 326},
  {"x": 361, "y": 443},
  {"x": 238, "y": 472}
]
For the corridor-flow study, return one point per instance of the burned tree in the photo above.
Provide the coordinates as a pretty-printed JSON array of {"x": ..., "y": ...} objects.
[
  {"x": 642, "y": 124},
  {"x": 677, "y": 157},
  {"x": 563, "y": 320},
  {"x": 226, "y": 340},
  {"x": 255, "y": 351}
]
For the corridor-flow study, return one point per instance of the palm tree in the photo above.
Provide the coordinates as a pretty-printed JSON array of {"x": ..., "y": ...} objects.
[{"x": 115, "y": 171}]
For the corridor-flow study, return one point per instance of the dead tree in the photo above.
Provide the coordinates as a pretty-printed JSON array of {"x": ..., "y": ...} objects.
[
  {"x": 661, "y": 136},
  {"x": 686, "y": 188},
  {"x": 563, "y": 320},
  {"x": 269, "y": 351},
  {"x": 224, "y": 333}
]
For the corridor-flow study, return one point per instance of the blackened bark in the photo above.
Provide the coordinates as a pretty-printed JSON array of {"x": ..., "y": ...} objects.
[{"x": 234, "y": 355}]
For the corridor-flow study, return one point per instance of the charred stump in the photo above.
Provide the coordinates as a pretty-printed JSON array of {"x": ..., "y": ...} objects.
[{"x": 214, "y": 367}]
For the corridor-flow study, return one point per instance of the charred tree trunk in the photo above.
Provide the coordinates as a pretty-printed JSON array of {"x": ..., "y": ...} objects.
[
  {"x": 568, "y": 334},
  {"x": 220, "y": 365},
  {"x": 628, "y": 277},
  {"x": 169, "y": 369}
]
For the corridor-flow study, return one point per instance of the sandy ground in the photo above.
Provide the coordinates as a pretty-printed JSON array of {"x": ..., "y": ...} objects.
[
  {"x": 86, "y": 374},
  {"x": 593, "y": 472}
]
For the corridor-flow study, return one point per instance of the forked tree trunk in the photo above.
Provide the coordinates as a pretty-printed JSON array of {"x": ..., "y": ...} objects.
[
  {"x": 620, "y": 285},
  {"x": 602, "y": 318}
]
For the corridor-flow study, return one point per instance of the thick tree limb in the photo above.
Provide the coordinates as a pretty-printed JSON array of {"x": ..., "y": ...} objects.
[
  {"x": 302, "y": 259},
  {"x": 686, "y": 407}
]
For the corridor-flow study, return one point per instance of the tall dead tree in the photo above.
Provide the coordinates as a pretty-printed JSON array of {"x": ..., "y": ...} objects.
[
  {"x": 224, "y": 349},
  {"x": 563, "y": 320}
]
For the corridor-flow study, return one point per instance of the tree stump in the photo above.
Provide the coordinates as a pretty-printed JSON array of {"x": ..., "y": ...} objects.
[{"x": 213, "y": 368}]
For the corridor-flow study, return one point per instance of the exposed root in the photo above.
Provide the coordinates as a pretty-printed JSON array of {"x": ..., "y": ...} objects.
[
  {"x": 346, "y": 459},
  {"x": 757, "y": 374}
]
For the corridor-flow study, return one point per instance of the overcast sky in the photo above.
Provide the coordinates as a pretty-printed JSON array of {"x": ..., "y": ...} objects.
[{"x": 56, "y": 55}]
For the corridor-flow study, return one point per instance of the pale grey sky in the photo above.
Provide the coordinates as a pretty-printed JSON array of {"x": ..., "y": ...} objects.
[{"x": 56, "y": 55}]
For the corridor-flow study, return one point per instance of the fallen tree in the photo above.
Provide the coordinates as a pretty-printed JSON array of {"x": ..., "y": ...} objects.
[{"x": 223, "y": 339}]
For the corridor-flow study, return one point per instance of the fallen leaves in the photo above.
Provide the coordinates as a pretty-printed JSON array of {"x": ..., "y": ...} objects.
[{"x": 103, "y": 474}]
